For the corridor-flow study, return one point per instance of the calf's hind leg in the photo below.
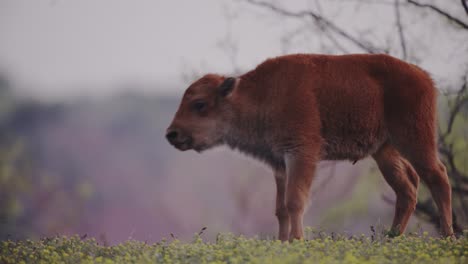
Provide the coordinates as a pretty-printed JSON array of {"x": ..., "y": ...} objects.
[
  {"x": 416, "y": 141},
  {"x": 404, "y": 181},
  {"x": 434, "y": 174}
]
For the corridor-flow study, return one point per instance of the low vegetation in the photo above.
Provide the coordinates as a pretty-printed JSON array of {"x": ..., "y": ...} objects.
[{"x": 227, "y": 248}]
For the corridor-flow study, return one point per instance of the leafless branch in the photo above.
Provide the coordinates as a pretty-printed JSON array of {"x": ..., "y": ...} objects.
[
  {"x": 454, "y": 113},
  {"x": 460, "y": 190},
  {"x": 335, "y": 42},
  {"x": 328, "y": 34},
  {"x": 371, "y": 2},
  {"x": 459, "y": 102},
  {"x": 440, "y": 12},
  {"x": 321, "y": 21},
  {"x": 465, "y": 5},
  {"x": 400, "y": 29},
  {"x": 447, "y": 151}
]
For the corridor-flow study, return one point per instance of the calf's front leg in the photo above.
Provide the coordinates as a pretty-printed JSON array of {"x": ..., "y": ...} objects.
[
  {"x": 300, "y": 169},
  {"x": 281, "y": 209}
]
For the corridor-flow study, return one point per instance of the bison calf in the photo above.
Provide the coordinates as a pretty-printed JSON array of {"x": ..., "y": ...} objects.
[{"x": 295, "y": 110}]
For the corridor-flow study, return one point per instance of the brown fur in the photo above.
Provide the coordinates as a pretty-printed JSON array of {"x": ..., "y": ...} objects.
[{"x": 295, "y": 110}]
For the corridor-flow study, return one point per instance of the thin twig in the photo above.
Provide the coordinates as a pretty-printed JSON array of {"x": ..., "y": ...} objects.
[
  {"x": 440, "y": 12},
  {"x": 465, "y": 6},
  {"x": 400, "y": 29},
  {"x": 460, "y": 100},
  {"x": 369, "y": 2},
  {"x": 328, "y": 34},
  {"x": 460, "y": 190},
  {"x": 322, "y": 21}
]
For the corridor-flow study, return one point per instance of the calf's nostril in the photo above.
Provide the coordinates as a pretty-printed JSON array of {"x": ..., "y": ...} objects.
[{"x": 171, "y": 135}]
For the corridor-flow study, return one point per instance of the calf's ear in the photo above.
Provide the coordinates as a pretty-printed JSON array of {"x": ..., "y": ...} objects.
[{"x": 227, "y": 86}]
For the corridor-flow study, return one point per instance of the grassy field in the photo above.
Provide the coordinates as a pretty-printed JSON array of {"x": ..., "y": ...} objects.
[{"x": 234, "y": 249}]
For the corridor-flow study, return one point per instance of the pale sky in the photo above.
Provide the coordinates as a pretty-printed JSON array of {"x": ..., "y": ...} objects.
[
  {"x": 66, "y": 46},
  {"x": 56, "y": 48}
]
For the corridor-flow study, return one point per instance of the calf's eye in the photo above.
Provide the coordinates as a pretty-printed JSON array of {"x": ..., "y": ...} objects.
[{"x": 199, "y": 106}]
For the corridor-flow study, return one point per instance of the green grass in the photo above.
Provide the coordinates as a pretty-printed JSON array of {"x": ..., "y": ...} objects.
[{"x": 237, "y": 249}]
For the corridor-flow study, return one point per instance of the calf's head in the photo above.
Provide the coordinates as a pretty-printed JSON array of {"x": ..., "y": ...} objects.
[{"x": 202, "y": 117}]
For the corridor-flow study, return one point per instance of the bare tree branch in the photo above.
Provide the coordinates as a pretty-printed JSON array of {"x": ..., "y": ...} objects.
[
  {"x": 400, "y": 29},
  {"x": 371, "y": 2},
  {"x": 460, "y": 190},
  {"x": 440, "y": 12},
  {"x": 321, "y": 21},
  {"x": 328, "y": 34},
  {"x": 465, "y": 5},
  {"x": 447, "y": 151},
  {"x": 459, "y": 102},
  {"x": 454, "y": 113}
]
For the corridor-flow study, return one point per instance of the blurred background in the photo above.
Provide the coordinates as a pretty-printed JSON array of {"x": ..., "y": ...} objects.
[{"x": 87, "y": 89}]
